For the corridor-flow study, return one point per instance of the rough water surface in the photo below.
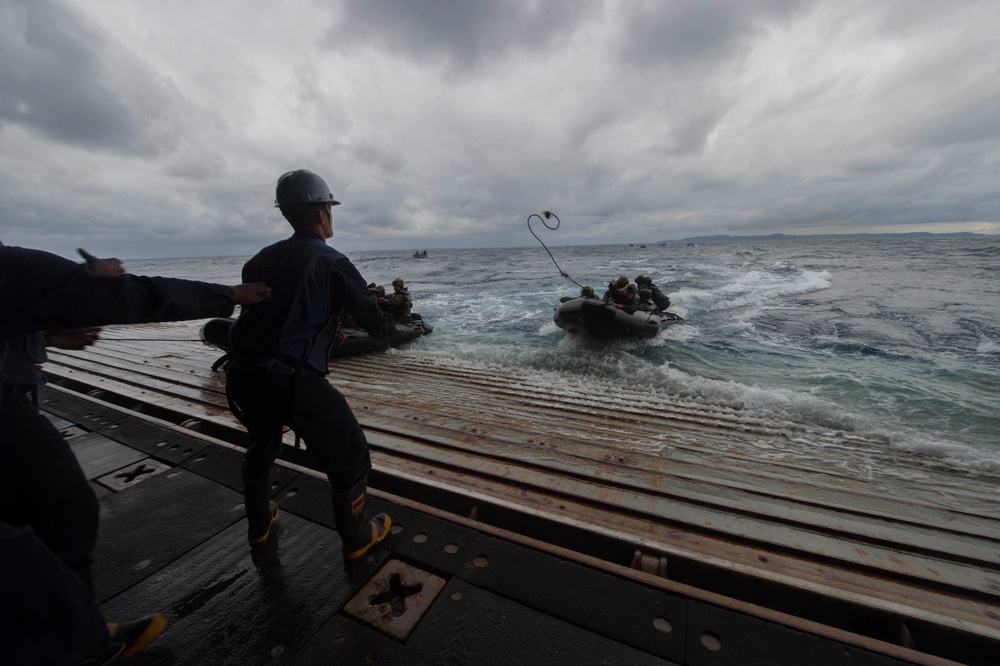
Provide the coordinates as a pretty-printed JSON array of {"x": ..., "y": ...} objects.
[{"x": 892, "y": 344}]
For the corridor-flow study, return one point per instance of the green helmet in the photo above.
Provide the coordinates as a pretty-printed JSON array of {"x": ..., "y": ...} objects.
[{"x": 302, "y": 187}]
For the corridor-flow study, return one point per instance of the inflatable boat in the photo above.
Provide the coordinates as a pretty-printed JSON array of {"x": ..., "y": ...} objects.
[
  {"x": 605, "y": 322},
  {"x": 215, "y": 333}
]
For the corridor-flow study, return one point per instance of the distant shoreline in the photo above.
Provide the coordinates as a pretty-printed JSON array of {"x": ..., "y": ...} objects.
[{"x": 724, "y": 238}]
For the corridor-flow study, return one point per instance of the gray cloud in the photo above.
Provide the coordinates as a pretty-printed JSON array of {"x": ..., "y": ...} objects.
[
  {"x": 460, "y": 35},
  {"x": 151, "y": 129},
  {"x": 55, "y": 78},
  {"x": 677, "y": 33}
]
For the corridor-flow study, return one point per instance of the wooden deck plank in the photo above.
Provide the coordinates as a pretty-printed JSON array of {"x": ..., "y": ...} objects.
[
  {"x": 577, "y": 453},
  {"x": 509, "y": 432}
]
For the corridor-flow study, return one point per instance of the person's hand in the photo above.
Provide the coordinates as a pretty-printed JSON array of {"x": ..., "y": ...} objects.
[
  {"x": 251, "y": 293},
  {"x": 73, "y": 338},
  {"x": 104, "y": 266},
  {"x": 339, "y": 337}
]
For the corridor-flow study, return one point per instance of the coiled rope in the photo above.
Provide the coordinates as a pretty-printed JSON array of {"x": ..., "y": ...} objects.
[{"x": 544, "y": 217}]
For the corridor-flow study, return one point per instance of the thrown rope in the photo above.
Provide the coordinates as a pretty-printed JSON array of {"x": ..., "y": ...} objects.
[{"x": 548, "y": 215}]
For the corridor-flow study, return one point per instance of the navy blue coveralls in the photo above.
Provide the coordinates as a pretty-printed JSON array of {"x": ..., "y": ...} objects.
[
  {"x": 41, "y": 483},
  {"x": 277, "y": 371}
]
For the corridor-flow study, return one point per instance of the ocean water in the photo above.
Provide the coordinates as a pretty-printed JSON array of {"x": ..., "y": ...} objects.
[{"x": 894, "y": 340}]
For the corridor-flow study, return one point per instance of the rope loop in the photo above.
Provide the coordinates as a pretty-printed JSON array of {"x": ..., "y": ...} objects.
[{"x": 544, "y": 218}]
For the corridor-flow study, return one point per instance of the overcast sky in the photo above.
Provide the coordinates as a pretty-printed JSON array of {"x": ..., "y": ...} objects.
[{"x": 155, "y": 129}]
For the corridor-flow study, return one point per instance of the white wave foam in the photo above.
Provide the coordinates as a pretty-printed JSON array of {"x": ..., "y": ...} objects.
[
  {"x": 549, "y": 328},
  {"x": 753, "y": 288},
  {"x": 988, "y": 346}
]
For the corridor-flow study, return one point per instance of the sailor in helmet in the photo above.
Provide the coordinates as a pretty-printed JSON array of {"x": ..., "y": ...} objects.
[{"x": 276, "y": 375}]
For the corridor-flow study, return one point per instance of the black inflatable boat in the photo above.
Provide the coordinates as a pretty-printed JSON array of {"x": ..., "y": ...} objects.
[
  {"x": 215, "y": 333},
  {"x": 605, "y": 322}
]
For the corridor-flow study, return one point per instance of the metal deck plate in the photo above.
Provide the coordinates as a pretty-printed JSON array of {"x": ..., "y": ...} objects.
[
  {"x": 634, "y": 614},
  {"x": 395, "y": 599},
  {"x": 145, "y": 527},
  {"x": 469, "y": 625},
  {"x": 228, "y": 605},
  {"x": 131, "y": 475},
  {"x": 99, "y": 455}
]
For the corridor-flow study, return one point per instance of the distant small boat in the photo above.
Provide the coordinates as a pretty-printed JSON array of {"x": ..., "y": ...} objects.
[
  {"x": 420, "y": 254},
  {"x": 642, "y": 246}
]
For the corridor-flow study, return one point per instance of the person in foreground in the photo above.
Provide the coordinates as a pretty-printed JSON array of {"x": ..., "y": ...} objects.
[
  {"x": 276, "y": 372},
  {"x": 48, "y": 511}
]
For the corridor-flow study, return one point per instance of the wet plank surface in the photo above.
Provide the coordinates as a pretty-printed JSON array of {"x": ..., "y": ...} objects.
[
  {"x": 175, "y": 543},
  {"x": 830, "y": 513}
]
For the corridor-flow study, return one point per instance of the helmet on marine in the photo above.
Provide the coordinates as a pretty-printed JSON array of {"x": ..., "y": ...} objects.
[
  {"x": 302, "y": 187},
  {"x": 622, "y": 281}
]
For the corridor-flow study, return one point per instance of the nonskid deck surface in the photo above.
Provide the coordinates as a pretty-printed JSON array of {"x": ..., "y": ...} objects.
[{"x": 753, "y": 511}]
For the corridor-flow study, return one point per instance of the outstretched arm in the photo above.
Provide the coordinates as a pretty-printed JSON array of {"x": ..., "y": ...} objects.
[{"x": 41, "y": 291}]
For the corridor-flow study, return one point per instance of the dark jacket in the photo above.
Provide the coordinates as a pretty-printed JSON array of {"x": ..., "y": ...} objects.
[
  {"x": 42, "y": 291},
  {"x": 613, "y": 294},
  {"x": 661, "y": 300},
  {"x": 311, "y": 283},
  {"x": 22, "y": 358},
  {"x": 399, "y": 304}
]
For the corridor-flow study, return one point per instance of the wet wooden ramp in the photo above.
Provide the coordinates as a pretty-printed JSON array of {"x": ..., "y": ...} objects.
[{"x": 696, "y": 502}]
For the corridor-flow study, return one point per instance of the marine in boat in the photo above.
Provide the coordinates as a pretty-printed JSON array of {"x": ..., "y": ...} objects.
[
  {"x": 608, "y": 322},
  {"x": 623, "y": 314}
]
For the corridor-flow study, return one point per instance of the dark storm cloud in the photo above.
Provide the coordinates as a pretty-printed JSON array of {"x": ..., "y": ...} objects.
[
  {"x": 52, "y": 81},
  {"x": 461, "y": 34},
  {"x": 447, "y": 123},
  {"x": 678, "y": 32}
]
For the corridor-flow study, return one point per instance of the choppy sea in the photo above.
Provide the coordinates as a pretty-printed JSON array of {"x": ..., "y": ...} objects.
[{"x": 894, "y": 339}]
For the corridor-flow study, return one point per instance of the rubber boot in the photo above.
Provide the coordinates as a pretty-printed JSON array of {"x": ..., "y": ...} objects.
[
  {"x": 357, "y": 532},
  {"x": 261, "y": 511},
  {"x": 135, "y": 636}
]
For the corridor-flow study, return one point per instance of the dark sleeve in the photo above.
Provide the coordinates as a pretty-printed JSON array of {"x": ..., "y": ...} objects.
[
  {"x": 39, "y": 290},
  {"x": 375, "y": 321}
]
